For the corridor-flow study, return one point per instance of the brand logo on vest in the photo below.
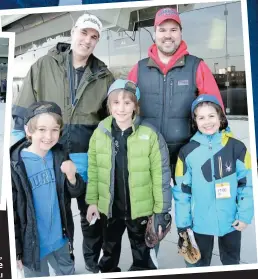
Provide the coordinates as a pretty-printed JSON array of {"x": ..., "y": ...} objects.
[
  {"x": 144, "y": 137},
  {"x": 183, "y": 82}
]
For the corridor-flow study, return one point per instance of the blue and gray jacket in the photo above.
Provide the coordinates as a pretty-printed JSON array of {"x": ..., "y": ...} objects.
[{"x": 202, "y": 163}]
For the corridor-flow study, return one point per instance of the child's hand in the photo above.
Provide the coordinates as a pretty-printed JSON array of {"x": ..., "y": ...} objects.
[
  {"x": 19, "y": 265},
  {"x": 239, "y": 226},
  {"x": 92, "y": 211},
  {"x": 69, "y": 169}
]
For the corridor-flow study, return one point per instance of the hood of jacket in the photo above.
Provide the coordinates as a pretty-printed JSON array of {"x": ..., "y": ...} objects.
[
  {"x": 180, "y": 52},
  {"x": 62, "y": 50}
]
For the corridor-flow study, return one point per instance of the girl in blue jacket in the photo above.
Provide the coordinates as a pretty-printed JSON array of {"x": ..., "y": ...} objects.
[{"x": 213, "y": 193}]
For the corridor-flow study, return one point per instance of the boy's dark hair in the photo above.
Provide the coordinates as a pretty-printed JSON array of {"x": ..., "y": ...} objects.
[{"x": 222, "y": 116}]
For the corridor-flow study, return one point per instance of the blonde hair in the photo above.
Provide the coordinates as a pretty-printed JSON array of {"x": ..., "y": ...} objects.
[
  {"x": 32, "y": 123},
  {"x": 125, "y": 94}
]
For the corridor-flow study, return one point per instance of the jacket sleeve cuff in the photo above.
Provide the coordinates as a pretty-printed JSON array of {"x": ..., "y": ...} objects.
[
  {"x": 243, "y": 219},
  {"x": 90, "y": 202}
]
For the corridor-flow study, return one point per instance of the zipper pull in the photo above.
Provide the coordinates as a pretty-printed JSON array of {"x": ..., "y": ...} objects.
[
  {"x": 122, "y": 133},
  {"x": 220, "y": 167},
  {"x": 209, "y": 139},
  {"x": 164, "y": 77},
  {"x": 210, "y": 146}
]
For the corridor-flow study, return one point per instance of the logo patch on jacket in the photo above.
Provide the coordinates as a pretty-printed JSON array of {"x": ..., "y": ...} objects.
[
  {"x": 144, "y": 137},
  {"x": 144, "y": 222},
  {"x": 228, "y": 167},
  {"x": 183, "y": 82}
]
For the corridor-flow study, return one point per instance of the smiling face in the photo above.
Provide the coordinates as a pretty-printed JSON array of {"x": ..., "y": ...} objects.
[
  {"x": 207, "y": 119},
  {"x": 168, "y": 37},
  {"x": 84, "y": 41},
  {"x": 43, "y": 133}
]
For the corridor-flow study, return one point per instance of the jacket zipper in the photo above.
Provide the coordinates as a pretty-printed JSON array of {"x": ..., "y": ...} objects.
[
  {"x": 171, "y": 90},
  {"x": 112, "y": 176},
  {"x": 125, "y": 217},
  {"x": 163, "y": 105},
  {"x": 213, "y": 178}
]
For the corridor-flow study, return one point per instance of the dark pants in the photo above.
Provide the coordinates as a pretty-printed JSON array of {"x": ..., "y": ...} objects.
[
  {"x": 92, "y": 238},
  {"x": 229, "y": 248},
  {"x": 113, "y": 230}
]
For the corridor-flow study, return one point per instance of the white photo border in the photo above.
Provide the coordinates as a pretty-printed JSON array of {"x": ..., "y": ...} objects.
[
  {"x": 7, "y": 177},
  {"x": 7, "y": 119}
]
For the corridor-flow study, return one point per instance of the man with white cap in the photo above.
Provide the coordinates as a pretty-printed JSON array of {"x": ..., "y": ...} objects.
[{"x": 72, "y": 77}]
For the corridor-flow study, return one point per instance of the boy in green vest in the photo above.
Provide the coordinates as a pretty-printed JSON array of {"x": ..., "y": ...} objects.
[{"x": 129, "y": 179}]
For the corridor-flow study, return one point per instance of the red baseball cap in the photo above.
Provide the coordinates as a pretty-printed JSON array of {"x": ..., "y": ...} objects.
[{"x": 166, "y": 13}]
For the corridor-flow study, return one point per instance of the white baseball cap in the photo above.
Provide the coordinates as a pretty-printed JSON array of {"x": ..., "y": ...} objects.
[{"x": 89, "y": 21}]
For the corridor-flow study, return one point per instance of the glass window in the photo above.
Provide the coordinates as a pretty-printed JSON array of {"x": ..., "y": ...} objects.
[{"x": 218, "y": 39}]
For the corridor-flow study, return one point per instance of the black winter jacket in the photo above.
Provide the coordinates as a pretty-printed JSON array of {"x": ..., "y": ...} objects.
[{"x": 26, "y": 235}]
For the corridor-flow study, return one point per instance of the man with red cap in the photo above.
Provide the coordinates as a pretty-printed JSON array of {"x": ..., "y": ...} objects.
[{"x": 169, "y": 80}]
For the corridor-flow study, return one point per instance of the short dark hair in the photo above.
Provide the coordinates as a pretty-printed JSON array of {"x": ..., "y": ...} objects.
[{"x": 222, "y": 116}]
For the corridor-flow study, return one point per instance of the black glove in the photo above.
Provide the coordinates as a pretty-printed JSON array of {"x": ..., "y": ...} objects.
[
  {"x": 162, "y": 219},
  {"x": 152, "y": 236}
]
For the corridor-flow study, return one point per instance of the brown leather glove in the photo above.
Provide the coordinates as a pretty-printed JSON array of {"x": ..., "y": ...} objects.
[{"x": 187, "y": 250}]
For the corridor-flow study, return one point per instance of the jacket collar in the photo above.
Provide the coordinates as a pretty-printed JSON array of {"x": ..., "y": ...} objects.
[
  {"x": 176, "y": 60},
  {"x": 221, "y": 137},
  {"x": 106, "y": 125},
  {"x": 116, "y": 128},
  {"x": 61, "y": 55}
]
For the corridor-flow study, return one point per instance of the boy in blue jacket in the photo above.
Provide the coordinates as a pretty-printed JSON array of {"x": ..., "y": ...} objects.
[{"x": 213, "y": 193}]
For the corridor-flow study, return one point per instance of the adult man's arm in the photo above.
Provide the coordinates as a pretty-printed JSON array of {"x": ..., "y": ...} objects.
[
  {"x": 206, "y": 83},
  {"x": 24, "y": 99}
]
